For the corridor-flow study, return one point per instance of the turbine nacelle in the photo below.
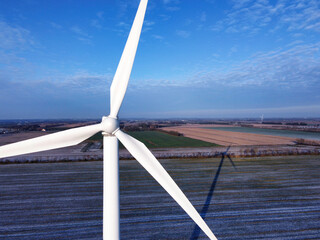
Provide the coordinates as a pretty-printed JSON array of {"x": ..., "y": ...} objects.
[{"x": 109, "y": 125}]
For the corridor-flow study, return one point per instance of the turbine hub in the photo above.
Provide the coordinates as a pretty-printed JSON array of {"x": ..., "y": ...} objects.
[{"x": 109, "y": 125}]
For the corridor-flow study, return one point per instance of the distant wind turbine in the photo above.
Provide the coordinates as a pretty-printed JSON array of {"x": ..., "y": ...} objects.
[{"x": 109, "y": 127}]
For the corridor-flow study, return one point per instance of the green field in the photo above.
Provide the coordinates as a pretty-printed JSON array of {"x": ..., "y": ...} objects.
[{"x": 155, "y": 139}]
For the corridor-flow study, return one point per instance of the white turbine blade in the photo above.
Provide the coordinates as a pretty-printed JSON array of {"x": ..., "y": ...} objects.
[
  {"x": 122, "y": 75},
  {"x": 151, "y": 164},
  {"x": 52, "y": 141}
]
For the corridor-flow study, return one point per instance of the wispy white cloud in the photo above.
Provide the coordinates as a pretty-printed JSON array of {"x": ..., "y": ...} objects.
[
  {"x": 246, "y": 16},
  {"x": 203, "y": 17},
  {"x": 301, "y": 15},
  {"x": 100, "y": 15},
  {"x": 148, "y": 25},
  {"x": 164, "y": 17},
  {"x": 55, "y": 25},
  {"x": 173, "y": 8},
  {"x": 252, "y": 16},
  {"x": 17, "y": 72},
  {"x": 183, "y": 33},
  {"x": 171, "y": 1},
  {"x": 14, "y": 37},
  {"x": 49, "y": 97},
  {"x": 159, "y": 37},
  {"x": 292, "y": 68},
  {"x": 97, "y": 22},
  {"x": 172, "y": 5},
  {"x": 81, "y": 35},
  {"x": 79, "y": 31},
  {"x": 15, "y": 42},
  {"x": 84, "y": 82},
  {"x": 123, "y": 24},
  {"x": 124, "y": 6},
  {"x": 122, "y": 28}
]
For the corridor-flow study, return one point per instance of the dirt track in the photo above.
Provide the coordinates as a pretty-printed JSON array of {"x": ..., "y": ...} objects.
[{"x": 226, "y": 138}]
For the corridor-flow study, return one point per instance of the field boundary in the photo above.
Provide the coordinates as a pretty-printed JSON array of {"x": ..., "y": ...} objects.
[{"x": 172, "y": 153}]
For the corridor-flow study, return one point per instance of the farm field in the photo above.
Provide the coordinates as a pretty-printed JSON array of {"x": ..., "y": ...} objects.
[
  {"x": 152, "y": 139},
  {"x": 272, "y": 132},
  {"x": 227, "y": 137},
  {"x": 12, "y": 138},
  {"x": 260, "y": 198},
  {"x": 156, "y": 139}
]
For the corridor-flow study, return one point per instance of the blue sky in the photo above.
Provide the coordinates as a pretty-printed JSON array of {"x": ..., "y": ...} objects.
[{"x": 196, "y": 58}]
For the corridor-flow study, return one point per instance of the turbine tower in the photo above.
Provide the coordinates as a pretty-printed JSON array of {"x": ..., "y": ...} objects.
[{"x": 109, "y": 127}]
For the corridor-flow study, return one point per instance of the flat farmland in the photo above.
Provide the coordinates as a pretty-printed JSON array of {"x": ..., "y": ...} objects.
[
  {"x": 16, "y": 137},
  {"x": 273, "y": 132},
  {"x": 229, "y": 138},
  {"x": 156, "y": 139},
  {"x": 259, "y": 198}
]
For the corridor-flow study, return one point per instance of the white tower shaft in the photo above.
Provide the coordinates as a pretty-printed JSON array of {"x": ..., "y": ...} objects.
[{"x": 111, "y": 203}]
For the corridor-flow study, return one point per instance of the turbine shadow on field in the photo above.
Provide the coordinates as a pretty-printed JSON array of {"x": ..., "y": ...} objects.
[{"x": 196, "y": 230}]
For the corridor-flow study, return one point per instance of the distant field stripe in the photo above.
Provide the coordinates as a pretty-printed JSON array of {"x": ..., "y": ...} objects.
[
  {"x": 271, "y": 132},
  {"x": 227, "y": 138},
  {"x": 156, "y": 139}
]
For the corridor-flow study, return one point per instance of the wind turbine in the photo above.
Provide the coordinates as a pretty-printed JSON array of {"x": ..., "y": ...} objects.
[{"x": 109, "y": 127}]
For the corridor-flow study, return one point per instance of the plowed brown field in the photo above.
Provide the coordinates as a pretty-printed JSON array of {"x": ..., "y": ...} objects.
[{"x": 227, "y": 138}]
